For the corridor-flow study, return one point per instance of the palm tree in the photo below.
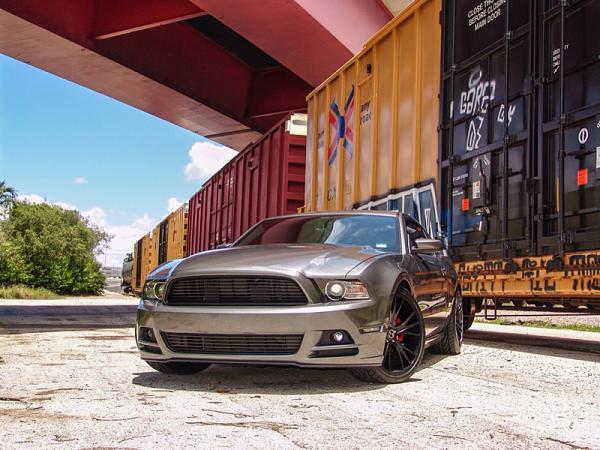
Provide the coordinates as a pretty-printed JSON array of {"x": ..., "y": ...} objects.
[{"x": 7, "y": 194}]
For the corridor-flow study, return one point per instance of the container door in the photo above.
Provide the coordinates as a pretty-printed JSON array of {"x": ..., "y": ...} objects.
[
  {"x": 486, "y": 144},
  {"x": 569, "y": 160}
]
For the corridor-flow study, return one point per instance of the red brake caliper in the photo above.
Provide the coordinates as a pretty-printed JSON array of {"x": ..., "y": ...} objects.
[{"x": 399, "y": 337}]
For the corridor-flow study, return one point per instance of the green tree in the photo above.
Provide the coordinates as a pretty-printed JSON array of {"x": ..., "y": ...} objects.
[
  {"x": 50, "y": 247},
  {"x": 7, "y": 194}
]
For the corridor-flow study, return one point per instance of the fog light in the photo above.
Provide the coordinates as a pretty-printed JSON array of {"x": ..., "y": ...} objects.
[
  {"x": 150, "y": 335},
  {"x": 338, "y": 336}
]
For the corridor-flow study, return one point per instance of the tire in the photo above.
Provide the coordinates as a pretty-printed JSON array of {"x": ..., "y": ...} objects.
[
  {"x": 468, "y": 318},
  {"x": 404, "y": 346},
  {"x": 452, "y": 336},
  {"x": 178, "y": 368}
]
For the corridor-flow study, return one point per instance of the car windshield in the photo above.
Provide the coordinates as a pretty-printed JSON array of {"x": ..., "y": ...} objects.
[{"x": 378, "y": 232}]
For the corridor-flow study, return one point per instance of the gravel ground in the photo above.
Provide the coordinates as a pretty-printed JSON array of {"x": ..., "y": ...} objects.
[
  {"x": 556, "y": 315},
  {"x": 89, "y": 389}
]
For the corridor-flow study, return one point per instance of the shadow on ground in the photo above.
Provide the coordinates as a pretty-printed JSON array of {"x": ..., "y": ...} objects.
[{"x": 268, "y": 380}]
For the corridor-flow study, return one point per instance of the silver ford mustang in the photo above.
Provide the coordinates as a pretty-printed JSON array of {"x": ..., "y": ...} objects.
[{"x": 362, "y": 290}]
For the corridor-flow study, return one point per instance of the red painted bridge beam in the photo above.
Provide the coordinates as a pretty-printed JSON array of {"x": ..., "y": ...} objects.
[{"x": 117, "y": 17}]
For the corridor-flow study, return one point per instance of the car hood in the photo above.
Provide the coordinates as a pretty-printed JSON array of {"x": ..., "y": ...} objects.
[{"x": 311, "y": 260}]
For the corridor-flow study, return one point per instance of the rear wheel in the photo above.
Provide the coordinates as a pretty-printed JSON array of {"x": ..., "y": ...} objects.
[
  {"x": 178, "y": 368},
  {"x": 404, "y": 344},
  {"x": 453, "y": 333}
]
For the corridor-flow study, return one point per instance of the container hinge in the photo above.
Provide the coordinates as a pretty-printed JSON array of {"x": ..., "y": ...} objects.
[
  {"x": 542, "y": 80},
  {"x": 564, "y": 3},
  {"x": 454, "y": 159},
  {"x": 532, "y": 186},
  {"x": 509, "y": 139},
  {"x": 541, "y": 217},
  {"x": 509, "y": 35},
  {"x": 565, "y": 119},
  {"x": 454, "y": 68},
  {"x": 528, "y": 85},
  {"x": 508, "y": 245}
]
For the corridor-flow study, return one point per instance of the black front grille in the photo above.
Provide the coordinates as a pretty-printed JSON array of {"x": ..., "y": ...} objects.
[
  {"x": 233, "y": 344},
  {"x": 238, "y": 291}
]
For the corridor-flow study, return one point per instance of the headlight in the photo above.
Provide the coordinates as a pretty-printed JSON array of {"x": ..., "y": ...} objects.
[
  {"x": 154, "y": 290},
  {"x": 347, "y": 290}
]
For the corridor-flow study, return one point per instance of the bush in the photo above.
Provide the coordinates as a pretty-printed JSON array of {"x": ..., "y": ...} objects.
[{"x": 45, "y": 246}]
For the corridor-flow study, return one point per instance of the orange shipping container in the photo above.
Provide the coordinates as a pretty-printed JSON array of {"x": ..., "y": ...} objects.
[{"x": 372, "y": 125}]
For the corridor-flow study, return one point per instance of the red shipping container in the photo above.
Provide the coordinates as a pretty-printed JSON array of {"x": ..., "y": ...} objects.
[{"x": 265, "y": 179}]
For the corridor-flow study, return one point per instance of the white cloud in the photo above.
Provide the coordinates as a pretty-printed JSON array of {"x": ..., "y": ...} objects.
[
  {"x": 80, "y": 180},
  {"x": 173, "y": 204},
  {"x": 35, "y": 199},
  {"x": 206, "y": 158}
]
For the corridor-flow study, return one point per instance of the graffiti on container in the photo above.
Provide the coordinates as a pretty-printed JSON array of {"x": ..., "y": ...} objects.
[
  {"x": 476, "y": 100},
  {"x": 582, "y": 269},
  {"x": 340, "y": 127}
]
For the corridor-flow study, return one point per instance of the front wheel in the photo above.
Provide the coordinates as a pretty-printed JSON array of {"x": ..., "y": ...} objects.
[
  {"x": 404, "y": 344},
  {"x": 178, "y": 368},
  {"x": 452, "y": 336}
]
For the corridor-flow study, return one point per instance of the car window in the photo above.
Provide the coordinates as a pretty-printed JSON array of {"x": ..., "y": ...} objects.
[
  {"x": 414, "y": 231},
  {"x": 378, "y": 232}
]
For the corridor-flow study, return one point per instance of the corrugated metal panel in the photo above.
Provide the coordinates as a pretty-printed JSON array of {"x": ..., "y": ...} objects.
[
  {"x": 264, "y": 180},
  {"x": 372, "y": 126},
  {"x": 141, "y": 252},
  {"x": 177, "y": 232}
]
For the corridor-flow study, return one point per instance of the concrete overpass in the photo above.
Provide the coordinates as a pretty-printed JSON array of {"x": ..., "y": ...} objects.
[{"x": 227, "y": 70}]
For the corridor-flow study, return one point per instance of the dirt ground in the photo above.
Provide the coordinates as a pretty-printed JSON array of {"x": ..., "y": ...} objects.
[{"x": 89, "y": 389}]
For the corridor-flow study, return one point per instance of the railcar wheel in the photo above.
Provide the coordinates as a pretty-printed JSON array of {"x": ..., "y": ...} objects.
[
  {"x": 178, "y": 368},
  {"x": 404, "y": 344},
  {"x": 453, "y": 334},
  {"x": 518, "y": 303}
]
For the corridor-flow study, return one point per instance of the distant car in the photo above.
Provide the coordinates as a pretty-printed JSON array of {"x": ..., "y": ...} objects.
[{"x": 361, "y": 290}]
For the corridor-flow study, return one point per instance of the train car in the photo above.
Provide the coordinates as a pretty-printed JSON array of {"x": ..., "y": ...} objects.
[
  {"x": 126, "y": 273},
  {"x": 265, "y": 179},
  {"x": 141, "y": 263},
  {"x": 487, "y": 132},
  {"x": 165, "y": 242}
]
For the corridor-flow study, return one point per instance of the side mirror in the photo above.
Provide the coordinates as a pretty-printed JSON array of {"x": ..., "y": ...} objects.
[
  {"x": 225, "y": 245},
  {"x": 427, "y": 246}
]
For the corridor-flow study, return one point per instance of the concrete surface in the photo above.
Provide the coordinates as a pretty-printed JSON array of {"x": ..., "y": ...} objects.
[
  {"x": 89, "y": 389},
  {"x": 108, "y": 311},
  {"x": 557, "y": 315},
  {"x": 583, "y": 341}
]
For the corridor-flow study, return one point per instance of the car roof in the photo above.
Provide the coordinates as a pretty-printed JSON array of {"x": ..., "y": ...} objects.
[{"x": 340, "y": 213}]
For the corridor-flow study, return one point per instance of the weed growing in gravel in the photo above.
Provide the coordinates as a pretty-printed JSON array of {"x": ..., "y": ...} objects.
[{"x": 24, "y": 292}]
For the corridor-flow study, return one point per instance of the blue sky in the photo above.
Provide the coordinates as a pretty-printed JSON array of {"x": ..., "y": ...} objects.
[{"x": 116, "y": 164}]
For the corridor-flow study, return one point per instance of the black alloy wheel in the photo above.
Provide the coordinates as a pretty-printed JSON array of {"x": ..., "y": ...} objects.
[
  {"x": 404, "y": 343},
  {"x": 403, "y": 340}
]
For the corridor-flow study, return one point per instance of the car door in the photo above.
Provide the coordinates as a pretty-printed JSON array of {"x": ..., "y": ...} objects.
[{"x": 429, "y": 278}]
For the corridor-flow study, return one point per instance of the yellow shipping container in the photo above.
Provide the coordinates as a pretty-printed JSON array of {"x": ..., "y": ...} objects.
[
  {"x": 372, "y": 125},
  {"x": 165, "y": 242},
  {"x": 141, "y": 260},
  {"x": 177, "y": 232}
]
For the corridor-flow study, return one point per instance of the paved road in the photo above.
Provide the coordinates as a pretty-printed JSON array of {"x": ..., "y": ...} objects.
[{"x": 88, "y": 389}]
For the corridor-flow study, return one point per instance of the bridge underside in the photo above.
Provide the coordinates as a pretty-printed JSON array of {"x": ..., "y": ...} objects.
[{"x": 225, "y": 70}]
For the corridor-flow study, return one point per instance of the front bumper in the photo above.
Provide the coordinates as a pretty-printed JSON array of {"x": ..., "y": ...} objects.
[{"x": 357, "y": 318}]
